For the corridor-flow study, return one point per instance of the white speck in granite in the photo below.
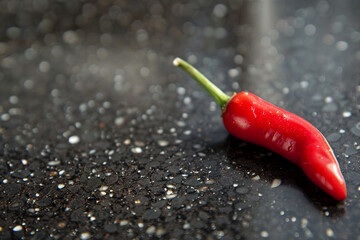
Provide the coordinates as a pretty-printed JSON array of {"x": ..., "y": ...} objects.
[
  {"x": 275, "y": 183},
  {"x": 54, "y": 163},
  {"x": 139, "y": 143},
  {"x": 151, "y": 230},
  {"x": 180, "y": 123},
  {"x": 124, "y": 222},
  {"x": 163, "y": 143},
  {"x": 256, "y": 178},
  {"x": 329, "y": 232}
]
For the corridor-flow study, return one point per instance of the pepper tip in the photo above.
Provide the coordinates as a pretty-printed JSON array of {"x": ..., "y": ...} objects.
[{"x": 176, "y": 62}]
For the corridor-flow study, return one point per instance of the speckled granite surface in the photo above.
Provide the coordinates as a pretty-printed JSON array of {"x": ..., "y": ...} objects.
[{"x": 102, "y": 138}]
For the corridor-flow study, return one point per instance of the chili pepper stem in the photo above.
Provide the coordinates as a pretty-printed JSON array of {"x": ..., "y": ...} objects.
[{"x": 220, "y": 97}]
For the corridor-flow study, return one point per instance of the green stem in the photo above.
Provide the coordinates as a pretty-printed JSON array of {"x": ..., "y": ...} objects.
[{"x": 220, "y": 97}]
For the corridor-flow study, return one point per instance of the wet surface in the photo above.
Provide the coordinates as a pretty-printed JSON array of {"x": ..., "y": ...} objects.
[{"x": 102, "y": 138}]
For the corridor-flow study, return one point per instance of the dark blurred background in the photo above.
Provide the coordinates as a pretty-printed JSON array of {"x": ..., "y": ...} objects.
[{"x": 101, "y": 137}]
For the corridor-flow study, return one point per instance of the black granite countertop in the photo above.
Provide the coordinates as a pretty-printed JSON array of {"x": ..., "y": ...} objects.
[{"x": 102, "y": 138}]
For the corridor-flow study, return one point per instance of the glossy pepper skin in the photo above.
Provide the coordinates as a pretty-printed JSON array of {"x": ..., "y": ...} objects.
[{"x": 252, "y": 119}]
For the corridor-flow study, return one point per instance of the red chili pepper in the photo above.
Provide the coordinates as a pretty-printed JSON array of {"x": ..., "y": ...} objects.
[{"x": 252, "y": 119}]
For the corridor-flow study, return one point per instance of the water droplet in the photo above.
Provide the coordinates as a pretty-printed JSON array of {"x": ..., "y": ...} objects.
[
  {"x": 181, "y": 90},
  {"x": 304, "y": 84},
  {"x": 187, "y": 132},
  {"x": 187, "y": 100},
  {"x": 17, "y": 228},
  {"x": 220, "y": 10},
  {"x": 186, "y": 226},
  {"x": 13, "y": 99},
  {"x": 342, "y": 45},
  {"x": 310, "y": 30},
  {"x": 192, "y": 59},
  {"x": 136, "y": 150},
  {"x": 346, "y": 114},
  {"x": 144, "y": 72},
  {"x": 44, "y": 66},
  {"x": 238, "y": 59},
  {"x": 285, "y": 90},
  {"x": 328, "y": 99},
  {"x": 264, "y": 234},
  {"x": 5, "y": 117},
  {"x": 85, "y": 236},
  {"x": 70, "y": 37},
  {"x": 74, "y": 139},
  {"x": 234, "y": 72}
]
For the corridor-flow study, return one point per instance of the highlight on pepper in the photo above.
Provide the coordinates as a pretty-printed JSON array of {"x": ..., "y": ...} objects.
[{"x": 252, "y": 119}]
